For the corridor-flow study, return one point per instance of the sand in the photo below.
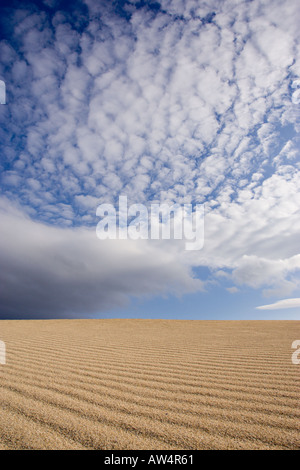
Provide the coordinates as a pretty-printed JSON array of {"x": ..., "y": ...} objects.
[{"x": 149, "y": 384}]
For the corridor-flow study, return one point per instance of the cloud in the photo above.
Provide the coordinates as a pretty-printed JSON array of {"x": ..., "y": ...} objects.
[
  {"x": 177, "y": 102},
  {"x": 232, "y": 290},
  {"x": 255, "y": 237},
  {"x": 175, "y": 85},
  {"x": 56, "y": 272},
  {"x": 281, "y": 304}
]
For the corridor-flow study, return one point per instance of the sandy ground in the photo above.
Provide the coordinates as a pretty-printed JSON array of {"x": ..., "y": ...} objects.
[{"x": 149, "y": 384}]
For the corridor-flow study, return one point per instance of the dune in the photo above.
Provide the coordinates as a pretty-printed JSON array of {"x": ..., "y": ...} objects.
[{"x": 149, "y": 384}]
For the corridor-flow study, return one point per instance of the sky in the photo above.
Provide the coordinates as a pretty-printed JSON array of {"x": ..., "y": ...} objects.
[{"x": 169, "y": 101}]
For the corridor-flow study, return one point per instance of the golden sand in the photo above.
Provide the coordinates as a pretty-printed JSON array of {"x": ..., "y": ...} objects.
[{"x": 149, "y": 384}]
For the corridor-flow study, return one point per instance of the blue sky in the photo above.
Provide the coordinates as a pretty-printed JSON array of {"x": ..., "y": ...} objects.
[{"x": 173, "y": 101}]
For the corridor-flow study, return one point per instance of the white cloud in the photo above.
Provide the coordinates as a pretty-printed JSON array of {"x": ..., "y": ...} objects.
[
  {"x": 232, "y": 290},
  {"x": 152, "y": 86},
  {"x": 281, "y": 304}
]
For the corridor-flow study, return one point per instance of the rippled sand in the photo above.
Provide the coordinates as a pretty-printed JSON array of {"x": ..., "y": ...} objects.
[{"x": 149, "y": 384}]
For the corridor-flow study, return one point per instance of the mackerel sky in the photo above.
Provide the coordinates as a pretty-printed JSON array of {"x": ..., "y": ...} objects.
[{"x": 174, "y": 101}]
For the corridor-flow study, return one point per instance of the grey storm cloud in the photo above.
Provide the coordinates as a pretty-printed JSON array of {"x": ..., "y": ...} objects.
[{"x": 53, "y": 272}]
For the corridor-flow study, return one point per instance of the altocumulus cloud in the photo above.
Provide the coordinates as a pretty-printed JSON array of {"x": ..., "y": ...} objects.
[{"x": 173, "y": 101}]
